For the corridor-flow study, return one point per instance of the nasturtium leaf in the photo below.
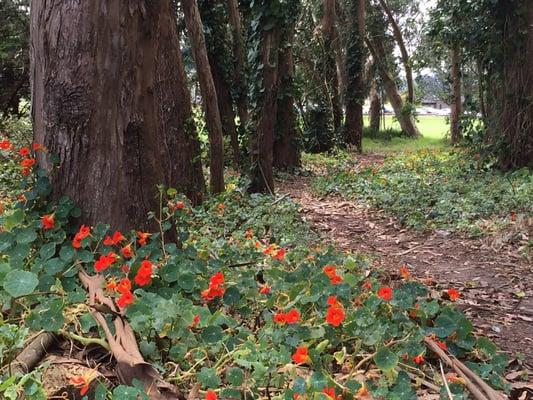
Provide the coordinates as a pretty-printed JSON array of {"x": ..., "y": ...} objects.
[
  {"x": 26, "y": 235},
  {"x": 51, "y": 315},
  {"x": 20, "y": 283},
  {"x": 67, "y": 253},
  {"x": 100, "y": 392},
  {"x": 318, "y": 381},
  {"x": 13, "y": 220},
  {"x": 212, "y": 334},
  {"x": 47, "y": 251},
  {"x": 385, "y": 359},
  {"x": 235, "y": 376},
  {"x": 53, "y": 266},
  {"x": 299, "y": 385},
  {"x": 353, "y": 385},
  {"x": 7, "y": 239},
  {"x": 123, "y": 392},
  {"x": 186, "y": 281},
  {"x": 4, "y": 269},
  {"x": 486, "y": 346},
  {"x": 208, "y": 378},
  {"x": 232, "y": 296}
]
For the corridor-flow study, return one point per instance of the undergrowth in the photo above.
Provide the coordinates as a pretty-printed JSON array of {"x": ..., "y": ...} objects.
[
  {"x": 452, "y": 190},
  {"x": 244, "y": 303}
]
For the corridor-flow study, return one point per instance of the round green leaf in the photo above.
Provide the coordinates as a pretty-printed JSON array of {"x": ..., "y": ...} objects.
[
  {"x": 20, "y": 283},
  {"x": 47, "y": 251},
  {"x": 235, "y": 376},
  {"x": 212, "y": 334},
  {"x": 385, "y": 359},
  {"x": 26, "y": 235}
]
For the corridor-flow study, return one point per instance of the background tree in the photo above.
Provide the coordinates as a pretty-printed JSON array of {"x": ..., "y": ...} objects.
[
  {"x": 115, "y": 110},
  {"x": 209, "y": 95}
]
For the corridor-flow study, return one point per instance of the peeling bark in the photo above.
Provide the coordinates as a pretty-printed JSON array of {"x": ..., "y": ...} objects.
[{"x": 109, "y": 100}]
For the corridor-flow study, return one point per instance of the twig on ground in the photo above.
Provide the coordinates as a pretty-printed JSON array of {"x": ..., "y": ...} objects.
[{"x": 450, "y": 395}]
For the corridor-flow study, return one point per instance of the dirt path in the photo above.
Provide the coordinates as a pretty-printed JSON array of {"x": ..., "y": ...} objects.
[{"x": 496, "y": 286}]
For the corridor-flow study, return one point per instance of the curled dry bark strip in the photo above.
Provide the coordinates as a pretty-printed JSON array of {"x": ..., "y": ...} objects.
[
  {"x": 33, "y": 353},
  {"x": 130, "y": 363},
  {"x": 473, "y": 381}
]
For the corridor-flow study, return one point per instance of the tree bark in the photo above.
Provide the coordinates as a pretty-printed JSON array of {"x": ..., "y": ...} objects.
[
  {"x": 516, "y": 118},
  {"x": 238, "y": 54},
  {"x": 218, "y": 53},
  {"x": 375, "y": 108},
  {"x": 109, "y": 100},
  {"x": 261, "y": 175},
  {"x": 456, "y": 106},
  {"x": 403, "y": 51},
  {"x": 355, "y": 90},
  {"x": 331, "y": 77},
  {"x": 406, "y": 120},
  {"x": 209, "y": 94},
  {"x": 286, "y": 147}
]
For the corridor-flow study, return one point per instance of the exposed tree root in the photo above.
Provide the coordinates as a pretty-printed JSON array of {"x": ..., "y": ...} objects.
[
  {"x": 123, "y": 345},
  {"x": 479, "y": 389},
  {"x": 33, "y": 353}
]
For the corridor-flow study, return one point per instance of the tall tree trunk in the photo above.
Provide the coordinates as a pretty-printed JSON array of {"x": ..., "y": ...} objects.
[
  {"x": 403, "y": 51},
  {"x": 516, "y": 117},
  {"x": 355, "y": 67},
  {"x": 238, "y": 54},
  {"x": 209, "y": 95},
  {"x": 286, "y": 146},
  {"x": 375, "y": 108},
  {"x": 109, "y": 99},
  {"x": 456, "y": 106},
  {"x": 405, "y": 119},
  {"x": 261, "y": 175},
  {"x": 218, "y": 52},
  {"x": 331, "y": 77}
]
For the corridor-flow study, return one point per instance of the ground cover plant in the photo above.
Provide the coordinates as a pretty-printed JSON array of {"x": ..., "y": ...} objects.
[
  {"x": 231, "y": 298},
  {"x": 447, "y": 189}
]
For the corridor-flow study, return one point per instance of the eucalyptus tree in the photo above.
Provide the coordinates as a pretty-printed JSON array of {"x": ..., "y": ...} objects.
[{"x": 110, "y": 102}]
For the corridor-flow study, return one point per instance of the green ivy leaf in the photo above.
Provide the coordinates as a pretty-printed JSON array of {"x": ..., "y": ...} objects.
[
  {"x": 20, "y": 283},
  {"x": 385, "y": 359}
]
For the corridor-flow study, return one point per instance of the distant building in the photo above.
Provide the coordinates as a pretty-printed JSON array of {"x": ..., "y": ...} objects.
[{"x": 433, "y": 102}]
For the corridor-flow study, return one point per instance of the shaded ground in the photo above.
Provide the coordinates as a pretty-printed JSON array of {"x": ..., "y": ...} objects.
[{"x": 496, "y": 284}]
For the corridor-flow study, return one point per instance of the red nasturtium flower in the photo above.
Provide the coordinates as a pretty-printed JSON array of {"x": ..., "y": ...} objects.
[
  {"x": 24, "y": 151},
  {"x": 404, "y": 272},
  {"x": 330, "y": 392},
  {"x": 111, "y": 284},
  {"x": 330, "y": 271},
  {"x": 293, "y": 316},
  {"x": 27, "y": 163},
  {"x": 124, "y": 285},
  {"x": 442, "y": 345},
  {"x": 5, "y": 144},
  {"x": 301, "y": 355},
  {"x": 125, "y": 299},
  {"x": 210, "y": 395},
  {"x": 419, "y": 359},
  {"x": 280, "y": 255},
  {"x": 37, "y": 146},
  {"x": 144, "y": 274},
  {"x": 104, "y": 262},
  {"x": 264, "y": 289},
  {"x": 385, "y": 293},
  {"x": 195, "y": 321},
  {"x": 113, "y": 241},
  {"x": 335, "y": 315},
  {"x": 279, "y": 318},
  {"x": 143, "y": 237},
  {"x": 453, "y": 294},
  {"x": 127, "y": 251},
  {"x": 48, "y": 221},
  {"x": 215, "y": 288},
  {"x": 83, "y": 381},
  {"x": 82, "y": 234}
]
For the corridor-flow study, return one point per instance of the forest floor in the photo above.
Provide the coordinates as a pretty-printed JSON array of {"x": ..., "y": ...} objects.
[{"x": 496, "y": 283}]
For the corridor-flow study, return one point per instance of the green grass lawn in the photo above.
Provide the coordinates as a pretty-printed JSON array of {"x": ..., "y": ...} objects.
[{"x": 433, "y": 128}]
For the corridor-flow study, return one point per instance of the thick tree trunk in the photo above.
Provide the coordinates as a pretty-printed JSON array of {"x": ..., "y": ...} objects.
[
  {"x": 261, "y": 176},
  {"x": 405, "y": 119},
  {"x": 218, "y": 53},
  {"x": 355, "y": 66},
  {"x": 456, "y": 106},
  {"x": 403, "y": 51},
  {"x": 109, "y": 100},
  {"x": 209, "y": 95},
  {"x": 286, "y": 147},
  {"x": 375, "y": 108},
  {"x": 331, "y": 77},
  {"x": 516, "y": 118},
  {"x": 238, "y": 54}
]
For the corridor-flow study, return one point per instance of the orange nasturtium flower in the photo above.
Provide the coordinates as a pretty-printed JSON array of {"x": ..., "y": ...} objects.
[
  {"x": 419, "y": 359},
  {"x": 144, "y": 274},
  {"x": 82, "y": 234},
  {"x": 210, "y": 395},
  {"x": 264, "y": 289},
  {"x": 385, "y": 293},
  {"x": 453, "y": 294},
  {"x": 195, "y": 321},
  {"x": 24, "y": 151},
  {"x": 83, "y": 381},
  {"x": 127, "y": 251},
  {"x": 335, "y": 315},
  {"x": 143, "y": 237},
  {"x": 301, "y": 355},
  {"x": 404, "y": 272},
  {"x": 5, "y": 144},
  {"x": 113, "y": 241},
  {"x": 124, "y": 286},
  {"x": 125, "y": 299},
  {"x": 48, "y": 221}
]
